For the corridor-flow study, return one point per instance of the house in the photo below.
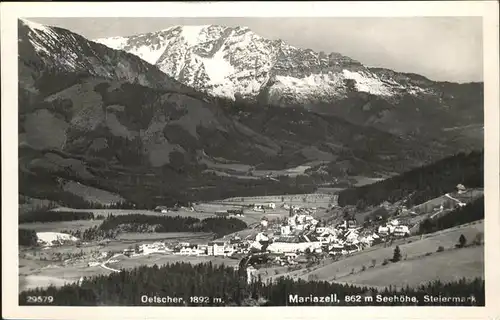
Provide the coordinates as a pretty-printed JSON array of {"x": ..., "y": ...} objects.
[
  {"x": 186, "y": 251},
  {"x": 337, "y": 249},
  {"x": 285, "y": 230},
  {"x": 236, "y": 212},
  {"x": 401, "y": 231},
  {"x": 221, "y": 213},
  {"x": 461, "y": 188},
  {"x": 264, "y": 222},
  {"x": 327, "y": 238},
  {"x": 128, "y": 252},
  {"x": 216, "y": 248},
  {"x": 271, "y": 205},
  {"x": 288, "y": 247},
  {"x": 383, "y": 230},
  {"x": 149, "y": 248}
]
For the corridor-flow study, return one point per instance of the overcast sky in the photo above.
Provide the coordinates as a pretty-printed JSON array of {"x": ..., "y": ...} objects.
[{"x": 440, "y": 48}]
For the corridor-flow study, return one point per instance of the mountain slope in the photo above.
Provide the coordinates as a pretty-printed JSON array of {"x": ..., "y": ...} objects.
[
  {"x": 237, "y": 63},
  {"x": 43, "y": 48},
  {"x": 115, "y": 136},
  {"x": 109, "y": 120}
]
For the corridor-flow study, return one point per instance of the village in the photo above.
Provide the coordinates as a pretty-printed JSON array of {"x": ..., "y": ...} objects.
[
  {"x": 287, "y": 239},
  {"x": 290, "y": 234},
  {"x": 284, "y": 234},
  {"x": 291, "y": 240}
]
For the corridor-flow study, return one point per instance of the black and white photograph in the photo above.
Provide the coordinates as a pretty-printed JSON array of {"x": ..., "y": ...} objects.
[{"x": 223, "y": 160}]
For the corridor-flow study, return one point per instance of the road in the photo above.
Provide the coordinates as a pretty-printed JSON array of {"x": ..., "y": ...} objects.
[{"x": 103, "y": 265}]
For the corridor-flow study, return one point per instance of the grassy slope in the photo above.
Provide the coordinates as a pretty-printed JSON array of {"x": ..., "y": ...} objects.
[{"x": 446, "y": 266}]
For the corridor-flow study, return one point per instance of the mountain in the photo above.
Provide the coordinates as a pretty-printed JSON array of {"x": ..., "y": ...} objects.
[
  {"x": 44, "y": 49},
  {"x": 105, "y": 119},
  {"x": 236, "y": 63}
]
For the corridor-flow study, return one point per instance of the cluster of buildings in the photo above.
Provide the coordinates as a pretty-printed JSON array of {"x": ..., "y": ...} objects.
[
  {"x": 393, "y": 228},
  {"x": 288, "y": 239},
  {"x": 263, "y": 207},
  {"x": 301, "y": 233},
  {"x": 216, "y": 248}
]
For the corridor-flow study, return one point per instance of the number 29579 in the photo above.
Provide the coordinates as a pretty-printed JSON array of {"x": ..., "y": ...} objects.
[{"x": 39, "y": 299}]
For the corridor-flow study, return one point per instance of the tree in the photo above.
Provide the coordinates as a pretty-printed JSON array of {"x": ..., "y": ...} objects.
[
  {"x": 397, "y": 254},
  {"x": 462, "y": 241}
]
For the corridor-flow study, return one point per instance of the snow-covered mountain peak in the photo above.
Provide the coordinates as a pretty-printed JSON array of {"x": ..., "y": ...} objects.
[
  {"x": 34, "y": 25},
  {"x": 235, "y": 61}
]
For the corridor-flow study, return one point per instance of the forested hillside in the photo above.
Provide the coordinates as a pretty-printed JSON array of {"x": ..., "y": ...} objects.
[
  {"x": 421, "y": 184},
  {"x": 471, "y": 212}
]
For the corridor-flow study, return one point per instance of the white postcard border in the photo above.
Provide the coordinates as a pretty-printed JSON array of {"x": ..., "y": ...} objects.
[{"x": 488, "y": 10}]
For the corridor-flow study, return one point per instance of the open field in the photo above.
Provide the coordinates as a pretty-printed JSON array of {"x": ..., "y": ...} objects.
[
  {"x": 411, "y": 248},
  {"x": 180, "y": 236},
  {"x": 241, "y": 170},
  {"x": 35, "y": 281},
  {"x": 446, "y": 266},
  {"x": 60, "y": 225},
  {"x": 38, "y": 273},
  {"x": 107, "y": 212},
  {"x": 361, "y": 181},
  {"x": 208, "y": 209},
  {"x": 303, "y": 200},
  {"x": 90, "y": 193},
  {"x": 161, "y": 259}
]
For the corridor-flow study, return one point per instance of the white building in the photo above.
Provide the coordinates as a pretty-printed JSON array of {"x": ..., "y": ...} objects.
[
  {"x": 284, "y": 247},
  {"x": 149, "y": 248},
  {"x": 216, "y": 248},
  {"x": 383, "y": 230},
  {"x": 191, "y": 251},
  {"x": 401, "y": 231},
  {"x": 285, "y": 230},
  {"x": 271, "y": 205}
]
